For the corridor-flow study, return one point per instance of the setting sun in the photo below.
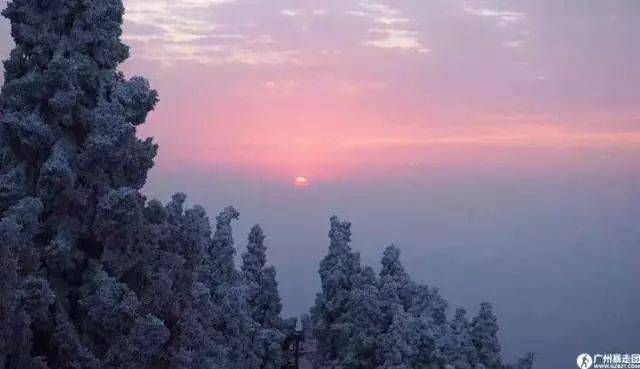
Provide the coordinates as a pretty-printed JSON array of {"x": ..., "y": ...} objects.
[{"x": 300, "y": 182}]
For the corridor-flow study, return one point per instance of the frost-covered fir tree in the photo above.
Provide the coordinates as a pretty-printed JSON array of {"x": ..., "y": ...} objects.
[
  {"x": 366, "y": 314},
  {"x": 396, "y": 346},
  {"x": 428, "y": 312},
  {"x": 68, "y": 148},
  {"x": 395, "y": 343},
  {"x": 393, "y": 270},
  {"x": 484, "y": 336},
  {"x": 93, "y": 275},
  {"x": 263, "y": 298},
  {"x": 221, "y": 251},
  {"x": 460, "y": 350},
  {"x": 331, "y": 315}
]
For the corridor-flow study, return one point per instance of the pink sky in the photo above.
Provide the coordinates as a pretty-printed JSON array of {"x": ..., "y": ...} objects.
[
  {"x": 327, "y": 89},
  {"x": 502, "y": 138}
]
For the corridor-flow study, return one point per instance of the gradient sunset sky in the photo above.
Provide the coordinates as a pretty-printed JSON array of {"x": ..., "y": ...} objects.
[
  {"x": 336, "y": 89},
  {"x": 497, "y": 143},
  {"x": 328, "y": 89}
]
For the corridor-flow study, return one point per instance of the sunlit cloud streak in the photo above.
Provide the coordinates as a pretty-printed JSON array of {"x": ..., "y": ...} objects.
[
  {"x": 391, "y": 31},
  {"x": 182, "y": 31},
  {"x": 503, "y": 17}
]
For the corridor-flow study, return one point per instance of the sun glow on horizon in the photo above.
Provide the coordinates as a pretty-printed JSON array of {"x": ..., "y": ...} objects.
[{"x": 301, "y": 182}]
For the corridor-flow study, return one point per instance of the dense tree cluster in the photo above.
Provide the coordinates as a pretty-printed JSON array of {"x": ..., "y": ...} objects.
[
  {"x": 94, "y": 276},
  {"x": 366, "y": 321}
]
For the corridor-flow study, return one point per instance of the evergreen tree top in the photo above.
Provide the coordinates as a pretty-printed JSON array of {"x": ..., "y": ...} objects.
[
  {"x": 255, "y": 259},
  {"x": 339, "y": 233},
  {"x": 223, "y": 224},
  {"x": 391, "y": 264}
]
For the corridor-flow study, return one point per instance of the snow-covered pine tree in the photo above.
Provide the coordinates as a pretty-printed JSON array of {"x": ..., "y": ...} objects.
[
  {"x": 396, "y": 344},
  {"x": 331, "y": 315},
  {"x": 460, "y": 350},
  {"x": 423, "y": 308},
  {"x": 68, "y": 147},
  {"x": 231, "y": 315},
  {"x": 195, "y": 341},
  {"x": 221, "y": 251},
  {"x": 484, "y": 336},
  {"x": 263, "y": 299},
  {"x": 393, "y": 269},
  {"x": 366, "y": 313},
  {"x": 93, "y": 275}
]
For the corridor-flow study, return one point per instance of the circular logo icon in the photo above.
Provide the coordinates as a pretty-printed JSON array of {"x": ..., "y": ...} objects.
[{"x": 585, "y": 361}]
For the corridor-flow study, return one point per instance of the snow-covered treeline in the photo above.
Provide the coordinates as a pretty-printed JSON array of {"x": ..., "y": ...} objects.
[{"x": 363, "y": 320}]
